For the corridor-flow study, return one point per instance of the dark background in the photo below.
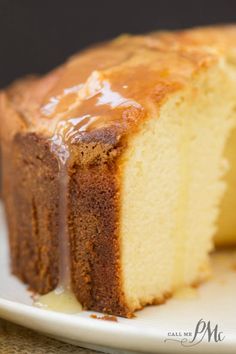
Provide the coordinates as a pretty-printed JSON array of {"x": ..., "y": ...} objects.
[{"x": 37, "y": 35}]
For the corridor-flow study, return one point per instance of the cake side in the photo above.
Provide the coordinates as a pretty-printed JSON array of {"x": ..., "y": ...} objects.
[
  {"x": 30, "y": 195},
  {"x": 94, "y": 219}
]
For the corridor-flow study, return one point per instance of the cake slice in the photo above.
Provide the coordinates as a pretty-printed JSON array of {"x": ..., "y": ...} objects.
[{"x": 114, "y": 166}]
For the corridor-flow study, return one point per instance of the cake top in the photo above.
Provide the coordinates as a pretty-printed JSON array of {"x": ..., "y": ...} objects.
[{"x": 116, "y": 84}]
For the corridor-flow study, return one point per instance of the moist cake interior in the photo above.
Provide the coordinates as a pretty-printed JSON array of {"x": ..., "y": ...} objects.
[{"x": 172, "y": 188}]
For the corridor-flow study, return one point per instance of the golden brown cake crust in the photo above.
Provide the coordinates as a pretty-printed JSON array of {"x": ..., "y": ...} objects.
[
  {"x": 108, "y": 91},
  {"x": 94, "y": 233},
  {"x": 30, "y": 181}
]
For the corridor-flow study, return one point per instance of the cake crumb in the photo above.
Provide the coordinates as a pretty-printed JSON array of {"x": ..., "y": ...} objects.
[{"x": 105, "y": 318}]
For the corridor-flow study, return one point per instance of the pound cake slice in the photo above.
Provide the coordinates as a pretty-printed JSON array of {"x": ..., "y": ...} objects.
[{"x": 115, "y": 167}]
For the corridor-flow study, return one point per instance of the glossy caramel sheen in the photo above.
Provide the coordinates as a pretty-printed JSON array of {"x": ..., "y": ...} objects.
[
  {"x": 117, "y": 96},
  {"x": 114, "y": 84}
]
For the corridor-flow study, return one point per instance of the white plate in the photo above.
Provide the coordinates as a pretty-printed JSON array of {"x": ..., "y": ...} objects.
[{"x": 215, "y": 301}]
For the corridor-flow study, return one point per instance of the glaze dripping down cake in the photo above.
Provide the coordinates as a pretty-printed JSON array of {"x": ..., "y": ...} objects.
[{"x": 119, "y": 168}]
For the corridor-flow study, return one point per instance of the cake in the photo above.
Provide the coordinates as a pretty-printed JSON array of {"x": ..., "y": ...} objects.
[{"x": 119, "y": 168}]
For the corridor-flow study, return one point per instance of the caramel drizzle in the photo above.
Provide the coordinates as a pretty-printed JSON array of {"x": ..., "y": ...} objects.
[
  {"x": 60, "y": 149},
  {"x": 80, "y": 109}
]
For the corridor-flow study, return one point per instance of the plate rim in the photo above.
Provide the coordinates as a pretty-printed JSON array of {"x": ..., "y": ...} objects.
[{"x": 114, "y": 335}]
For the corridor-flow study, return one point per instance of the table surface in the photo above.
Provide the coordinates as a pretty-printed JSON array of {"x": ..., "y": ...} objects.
[{"x": 15, "y": 339}]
